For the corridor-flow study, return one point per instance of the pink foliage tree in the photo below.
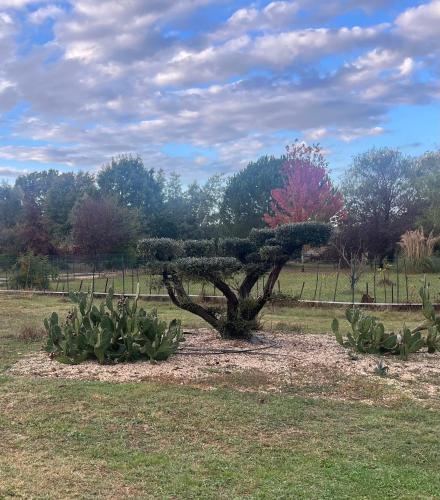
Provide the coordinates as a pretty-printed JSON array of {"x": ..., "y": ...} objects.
[{"x": 308, "y": 193}]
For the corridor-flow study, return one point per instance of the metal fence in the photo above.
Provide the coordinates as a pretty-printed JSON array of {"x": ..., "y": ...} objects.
[{"x": 313, "y": 281}]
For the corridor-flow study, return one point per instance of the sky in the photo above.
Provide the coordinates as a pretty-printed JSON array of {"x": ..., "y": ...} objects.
[{"x": 205, "y": 86}]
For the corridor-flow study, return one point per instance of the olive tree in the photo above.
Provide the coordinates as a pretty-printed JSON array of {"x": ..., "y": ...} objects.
[{"x": 233, "y": 266}]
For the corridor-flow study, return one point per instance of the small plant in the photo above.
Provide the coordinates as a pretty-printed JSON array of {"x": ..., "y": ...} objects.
[
  {"x": 381, "y": 368},
  {"x": 367, "y": 335},
  {"x": 31, "y": 333},
  {"x": 110, "y": 334},
  {"x": 32, "y": 271}
]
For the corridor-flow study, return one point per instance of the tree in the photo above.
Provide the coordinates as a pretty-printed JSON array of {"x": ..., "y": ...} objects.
[
  {"x": 10, "y": 214},
  {"x": 223, "y": 263},
  {"x": 190, "y": 213},
  {"x": 32, "y": 233},
  {"x": 381, "y": 199},
  {"x": 427, "y": 179},
  {"x": 63, "y": 192},
  {"x": 307, "y": 192},
  {"x": 248, "y": 195},
  {"x": 100, "y": 226},
  {"x": 10, "y": 206},
  {"x": 133, "y": 185}
]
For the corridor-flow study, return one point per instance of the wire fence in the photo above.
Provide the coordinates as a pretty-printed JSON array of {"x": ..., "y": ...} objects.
[{"x": 312, "y": 281}]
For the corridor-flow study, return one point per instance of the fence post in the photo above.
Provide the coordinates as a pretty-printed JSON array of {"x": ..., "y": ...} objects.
[
  {"x": 337, "y": 280},
  {"x": 317, "y": 280},
  {"x": 123, "y": 276},
  {"x": 406, "y": 281}
]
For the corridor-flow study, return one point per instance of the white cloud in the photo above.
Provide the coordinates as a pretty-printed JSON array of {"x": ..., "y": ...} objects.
[
  {"x": 120, "y": 77},
  {"x": 351, "y": 135},
  {"x": 12, "y": 172},
  {"x": 49, "y": 12},
  {"x": 421, "y": 23}
]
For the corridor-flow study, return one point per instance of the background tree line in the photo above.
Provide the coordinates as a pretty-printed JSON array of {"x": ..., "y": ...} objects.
[{"x": 383, "y": 194}]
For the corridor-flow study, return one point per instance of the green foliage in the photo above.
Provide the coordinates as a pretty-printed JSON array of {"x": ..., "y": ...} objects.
[
  {"x": 199, "y": 248},
  {"x": 292, "y": 237},
  {"x": 239, "y": 248},
  {"x": 160, "y": 249},
  {"x": 261, "y": 237},
  {"x": 202, "y": 267},
  {"x": 248, "y": 195},
  {"x": 367, "y": 335},
  {"x": 110, "y": 334},
  {"x": 381, "y": 368},
  {"x": 32, "y": 271}
]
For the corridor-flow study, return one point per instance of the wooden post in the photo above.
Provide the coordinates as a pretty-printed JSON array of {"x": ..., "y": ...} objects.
[
  {"x": 302, "y": 289},
  {"x": 317, "y": 280},
  {"x": 123, "y": 277},
  {"x": 106, "y": 284},
  {"x": 406, "y": 281},
  {"x": 374, "y": 280},
  {"x": 337, "y": 281}
]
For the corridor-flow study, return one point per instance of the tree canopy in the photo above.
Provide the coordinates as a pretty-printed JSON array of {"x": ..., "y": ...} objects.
[
  {"x": 248, "y": 195},
  {"x": 381, "y": 199},
  {"x": 307, "y": 192}
]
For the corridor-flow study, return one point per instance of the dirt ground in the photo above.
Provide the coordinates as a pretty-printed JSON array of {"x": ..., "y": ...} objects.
[{"x": 303, "y": 364}]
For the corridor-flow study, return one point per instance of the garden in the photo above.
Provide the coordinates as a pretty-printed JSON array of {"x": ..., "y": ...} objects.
[{"x": 292, "y": 359}]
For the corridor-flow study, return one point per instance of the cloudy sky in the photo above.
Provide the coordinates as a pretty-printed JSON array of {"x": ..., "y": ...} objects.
[{"x": 200, "y": 86}]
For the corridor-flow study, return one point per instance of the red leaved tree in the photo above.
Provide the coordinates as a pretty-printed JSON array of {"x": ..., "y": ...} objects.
[{"x": 308, "y": 193}]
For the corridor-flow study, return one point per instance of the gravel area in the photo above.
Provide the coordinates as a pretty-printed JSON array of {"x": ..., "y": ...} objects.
[{"x": 272, "y": 361}]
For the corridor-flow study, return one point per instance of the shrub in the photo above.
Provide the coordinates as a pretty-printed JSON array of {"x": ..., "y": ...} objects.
[
  {"x": 110, "y": 334},
  {"x": 368, "y": 335},
  {"x": 417, "y": 247},
  {"x": 32, "y": 271},
  {"x": 160, "y": 249},
  {"x": 199, "y": 248}
]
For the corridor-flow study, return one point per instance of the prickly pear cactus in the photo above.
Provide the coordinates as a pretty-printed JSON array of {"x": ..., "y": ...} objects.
[{"x": 110, "y": 334}]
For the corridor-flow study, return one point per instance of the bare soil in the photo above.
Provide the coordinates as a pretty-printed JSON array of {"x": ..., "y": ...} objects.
[{"x": 303, "y": 364}]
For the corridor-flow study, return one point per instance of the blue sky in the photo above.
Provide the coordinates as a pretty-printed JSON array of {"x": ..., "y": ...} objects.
[{"x": 205, "y": 86}]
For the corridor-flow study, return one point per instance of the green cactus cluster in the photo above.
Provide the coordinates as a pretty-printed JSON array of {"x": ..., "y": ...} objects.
[
  {"x": 368, "y": 335},
  {"x": 110, "y": 333}
]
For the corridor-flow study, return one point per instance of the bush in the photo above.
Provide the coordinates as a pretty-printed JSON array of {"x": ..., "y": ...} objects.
[
  {"x": 199, "y": 248},
  {"x": 32, "y": 271},
  {"x": 160, "y": 249},
  {"x": 110, "y": 334},
  {"x": 368, "y": 335}
]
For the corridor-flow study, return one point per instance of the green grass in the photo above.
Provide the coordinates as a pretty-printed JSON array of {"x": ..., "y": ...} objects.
[
  {"x": 75, "y": 439},
  {"x": 290, "y": 282},
  {"x": 19, "y": 311}
]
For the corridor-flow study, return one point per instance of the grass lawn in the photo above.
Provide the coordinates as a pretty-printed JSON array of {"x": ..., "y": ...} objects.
[
  {"x": 76, "y": 439},
  {"x": 290, "y": 282}
]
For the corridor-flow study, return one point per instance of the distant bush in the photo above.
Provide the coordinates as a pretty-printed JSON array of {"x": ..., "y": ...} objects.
[
  {"x": 110, "y": 334},
  {"x": 418, "y": 249},
  {"x": 367, "y": 335},
  {"x": 32, "y": 271}
]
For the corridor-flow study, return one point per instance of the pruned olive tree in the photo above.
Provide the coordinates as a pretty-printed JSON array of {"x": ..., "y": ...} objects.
[{"x": 233, "y": 266}]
